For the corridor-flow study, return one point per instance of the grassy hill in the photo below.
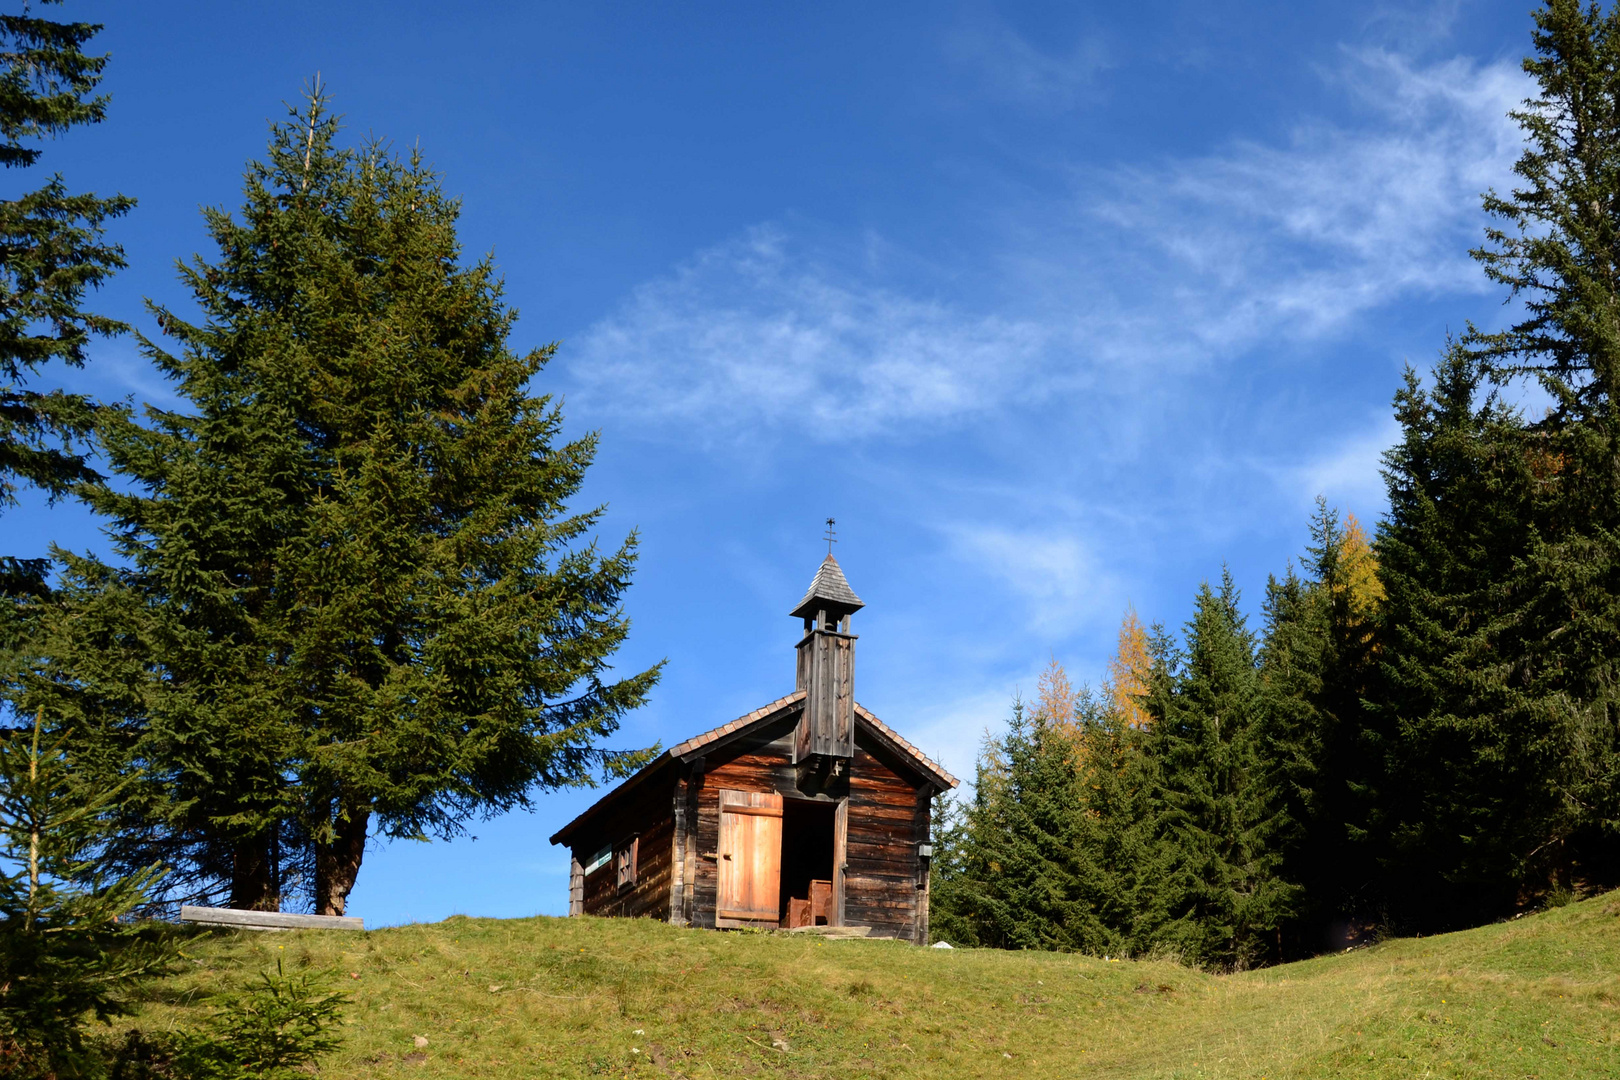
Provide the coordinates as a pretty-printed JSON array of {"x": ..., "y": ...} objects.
[{"x": 1537, "y": 997}]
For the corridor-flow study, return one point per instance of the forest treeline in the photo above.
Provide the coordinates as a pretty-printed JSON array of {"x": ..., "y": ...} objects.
[{"x": 1424, "y": 732}]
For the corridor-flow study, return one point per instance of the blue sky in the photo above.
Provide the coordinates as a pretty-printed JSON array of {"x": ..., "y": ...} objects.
[{"x": 1054, "y": 307}]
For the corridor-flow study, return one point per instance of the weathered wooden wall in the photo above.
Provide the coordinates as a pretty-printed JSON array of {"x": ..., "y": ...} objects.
[
  {"x": 826, "y": 674},
  {"x": 887, "y": 817},
  {"x": 884, "y": 816},
  {"x": 887, "y": 820},
  {"x": 650, "y": 814}
]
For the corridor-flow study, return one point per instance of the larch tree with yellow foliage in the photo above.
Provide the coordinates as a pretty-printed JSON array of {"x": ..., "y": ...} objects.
[{"x": 1126, "y": 687}]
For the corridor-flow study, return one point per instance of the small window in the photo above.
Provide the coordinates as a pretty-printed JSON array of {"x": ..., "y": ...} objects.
[
  {"x": 625, "y": 861},
  {"x": 599, "y": 860}
]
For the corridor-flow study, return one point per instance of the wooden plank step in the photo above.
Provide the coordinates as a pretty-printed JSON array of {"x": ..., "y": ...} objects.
[
  {"x": 833, "y": 931},
  {"x": 267, "y": 920}
]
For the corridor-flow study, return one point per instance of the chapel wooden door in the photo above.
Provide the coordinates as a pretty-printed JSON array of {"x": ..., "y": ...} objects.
[{"x": 750, "y": 858}]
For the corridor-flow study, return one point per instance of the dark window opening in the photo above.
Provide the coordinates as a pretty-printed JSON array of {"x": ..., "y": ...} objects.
[
  {"x": 625, "y": 861},
  {"x": 807, "y": 861}
]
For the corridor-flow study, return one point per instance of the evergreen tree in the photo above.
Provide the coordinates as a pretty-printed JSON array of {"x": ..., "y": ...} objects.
[
  {"x": 1557, "y": 244},
  {"x": 1048, "y": 852},
  {"x": 1018, "y": 888},
  {"x": 1123, "y": 863},
  {"x": 52, "y": 251},
  {"x": 950, "y": 918},
  {"x": 277, "y": 1028},
  {"x": 1549, "y": 658},
  {"x": 1317, "y": 664},
  {"x": 1476, "y": 783},
  {"x": 65, "y": 957},
  {"x": 356, "y": 601},
  {"x": 1218, "y": 817}
]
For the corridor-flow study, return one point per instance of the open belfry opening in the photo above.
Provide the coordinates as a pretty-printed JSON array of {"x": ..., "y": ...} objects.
[{"x": 807, "y": 812}]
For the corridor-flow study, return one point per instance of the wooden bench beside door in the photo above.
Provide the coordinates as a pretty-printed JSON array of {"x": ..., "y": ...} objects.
[
  {"x": 816, "y": 910},
  {"x": 750, "y": 859}
]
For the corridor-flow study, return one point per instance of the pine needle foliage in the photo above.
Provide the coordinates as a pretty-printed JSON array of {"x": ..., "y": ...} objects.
[
  {"x": 68, "y": 955},
  {"x": 276, "y": 1028},
  {"x": 1022, "y": 862},
  {"x": 1217, "y": 812},
  {"x": 1477, "y": 782},
  {"x": 357, "y": 600},
  {"x": 1317, "y": 664},
  {"x": 1556, "y": 244},
  {"x": 1547, "y": 626},
  {"x": 1055, "y": 848},
  {"x": 52, "y": 252}
]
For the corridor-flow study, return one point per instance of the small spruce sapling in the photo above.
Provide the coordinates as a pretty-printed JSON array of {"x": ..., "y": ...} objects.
[
  {"x": 273, "y": 1030},
  {"x": 68, "y": 952}
]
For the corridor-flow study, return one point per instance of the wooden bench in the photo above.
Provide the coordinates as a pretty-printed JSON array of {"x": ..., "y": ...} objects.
[
  {"x": 816, "y": 910},
  {"x": 266, "y": 920}
]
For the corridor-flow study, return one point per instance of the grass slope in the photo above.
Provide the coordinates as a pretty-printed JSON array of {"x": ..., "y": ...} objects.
[{"x": 580, "y": 997}]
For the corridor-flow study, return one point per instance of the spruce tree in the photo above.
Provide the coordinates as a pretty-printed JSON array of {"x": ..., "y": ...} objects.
[
  {"x": 1476, "y": 782},
  {"x": 1326, "y": 758},
  {"x": 66, "y": 959},
  {"x": 1049, "y": 852},
  {"x": 1218, "y": 816},
  {"x": 1017, "y": 888},
  {"x": 1552, "y": 663},
  {"x": 1122, "y": 864},
  {"x": 357, "y": 601},
  {"x": 52, "y": 251}
]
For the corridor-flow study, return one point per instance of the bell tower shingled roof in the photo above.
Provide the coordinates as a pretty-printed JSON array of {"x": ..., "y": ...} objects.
[{"x": 829, "y": 591}]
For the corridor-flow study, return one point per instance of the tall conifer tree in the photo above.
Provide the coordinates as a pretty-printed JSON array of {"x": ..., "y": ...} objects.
[
  {"x": 1217, "y": 812},
  {"x": 1476, "y": 785},
  {"x": 1052, "y": 849},
  {"x": 66, "y": 958},
  {"x": 358, "y": 603},
  {"x": 1554, "y": 617},
  {"x": 1317, "y": 663},
  {"x": 52, "y": 252}
]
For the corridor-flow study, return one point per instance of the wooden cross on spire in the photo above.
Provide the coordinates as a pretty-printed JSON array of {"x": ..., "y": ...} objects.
[{"x": 831, "y": 536}]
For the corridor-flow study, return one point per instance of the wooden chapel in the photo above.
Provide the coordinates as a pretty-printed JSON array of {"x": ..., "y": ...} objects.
[{"x": 807, "y": 811}]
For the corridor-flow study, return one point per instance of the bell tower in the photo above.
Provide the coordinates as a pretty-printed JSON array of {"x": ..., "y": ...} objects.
[{"x": 824, "y": 742}]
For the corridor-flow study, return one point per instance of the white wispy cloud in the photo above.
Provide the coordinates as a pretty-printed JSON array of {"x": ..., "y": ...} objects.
[
  {"x": 1147, "y": 267},
  {"x": 1297, "y": 239},
  {"x": 1059, "y": 579},
  {"x": 1011, "y": 67},
  {"x": 1347, "y": 473},
  {"x": 750, "y": 333}
]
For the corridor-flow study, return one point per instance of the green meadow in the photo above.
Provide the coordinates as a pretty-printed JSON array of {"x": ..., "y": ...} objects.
[{"x": 1536, "y": 997}]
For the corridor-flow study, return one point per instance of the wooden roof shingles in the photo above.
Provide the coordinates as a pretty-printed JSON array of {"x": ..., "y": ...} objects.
[
  {"x": 698, "y": 742},
  {"x": 763, "y": 715},
  {"x": 905, "y": 747},
  {"x": 828, "y": 589}
]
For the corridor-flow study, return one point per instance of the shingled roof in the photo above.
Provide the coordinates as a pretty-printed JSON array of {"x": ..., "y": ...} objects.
[
  {"x": 765, "y": 714},
  {"x": 829, "y": 589}
]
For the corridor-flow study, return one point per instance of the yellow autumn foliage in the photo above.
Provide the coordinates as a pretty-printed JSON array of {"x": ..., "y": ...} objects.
[
  {"x": 1360, "y": 570},
  {"x": 1054, "y": 695},
  {"x": 1126, "y": 684}
]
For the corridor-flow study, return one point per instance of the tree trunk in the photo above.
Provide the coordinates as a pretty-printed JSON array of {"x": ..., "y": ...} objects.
[
  {"x": 337, "y": 864},
  {"x": 253, "y": 876}
]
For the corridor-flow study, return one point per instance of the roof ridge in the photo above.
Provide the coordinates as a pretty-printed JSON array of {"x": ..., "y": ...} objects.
[
  {"x": 727, "y": 728},
  {"x": 746, "y": 720},
  {"x": 871, "y": 718}
]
